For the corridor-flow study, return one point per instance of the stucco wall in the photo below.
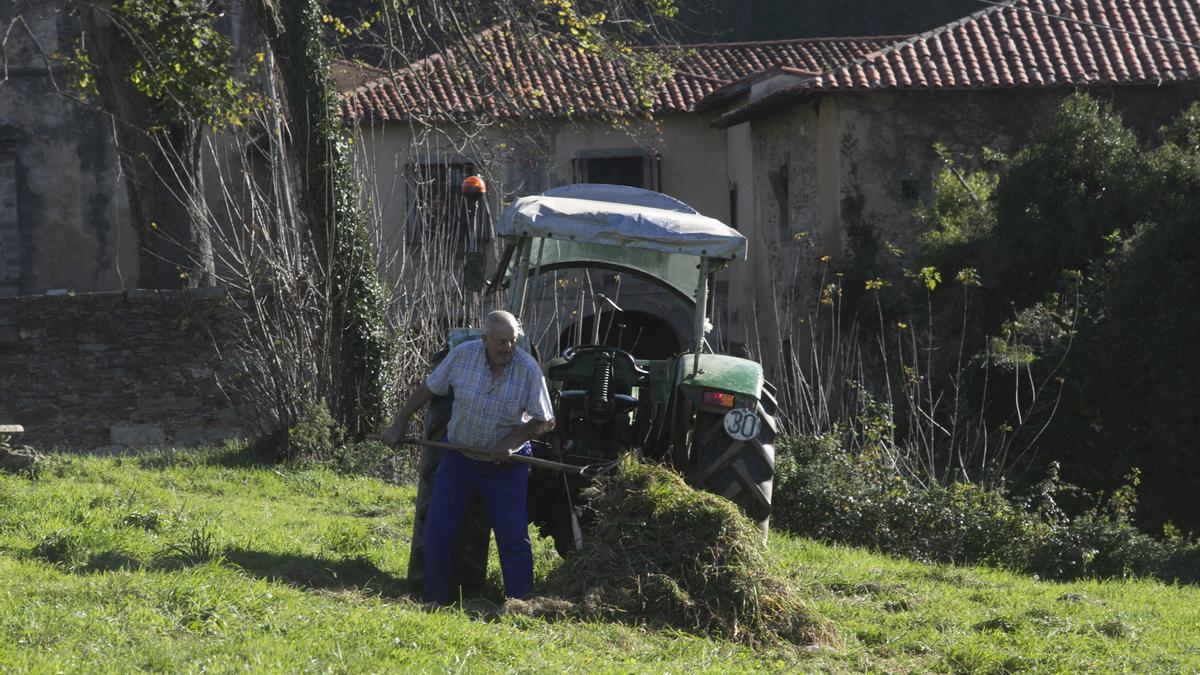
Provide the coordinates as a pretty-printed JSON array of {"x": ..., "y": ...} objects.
[
  {"x": 887, "y": 161},
  {"x": 523, "y": 160},
  {"x": 691, "y": 151},
  {"x": 72, "y": 225},
  {"x": 518, "y": 160},
  {"x": 740, "y": 310}
]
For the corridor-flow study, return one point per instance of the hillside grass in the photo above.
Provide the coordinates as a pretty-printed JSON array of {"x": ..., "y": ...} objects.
[{"x": 200, "y": 561}]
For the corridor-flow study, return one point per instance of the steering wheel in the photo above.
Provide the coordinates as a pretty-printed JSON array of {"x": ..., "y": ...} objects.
[{"x": 581, "y": 349}]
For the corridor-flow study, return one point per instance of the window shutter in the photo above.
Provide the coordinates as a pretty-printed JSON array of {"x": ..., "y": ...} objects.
[{"x": 652, "y": 172}]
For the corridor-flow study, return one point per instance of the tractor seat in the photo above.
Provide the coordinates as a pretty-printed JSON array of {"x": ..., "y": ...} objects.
[{"x": 626, "y": 371}]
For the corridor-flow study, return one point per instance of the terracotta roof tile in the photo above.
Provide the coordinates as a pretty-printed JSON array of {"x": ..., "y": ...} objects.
[
  {"x": 1022, "y": 43},
  {"x": 499, "y": 76},
  {"x": 1039, "y": 43}
]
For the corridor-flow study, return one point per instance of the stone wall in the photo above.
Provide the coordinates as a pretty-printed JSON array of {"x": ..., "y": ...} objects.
[
  {"x": 787, "y": 208},
  {"x": 887, "y": 160},
  {"x": 64, "y": 215},
  {"x": 103, "y": 372}
]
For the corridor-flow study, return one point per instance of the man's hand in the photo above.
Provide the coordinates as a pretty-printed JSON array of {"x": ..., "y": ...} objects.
[
  {"x": 501, "y": 452},
  {"x": 395, "y": 434}
]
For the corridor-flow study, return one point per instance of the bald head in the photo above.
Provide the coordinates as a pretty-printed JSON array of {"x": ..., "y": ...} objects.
[
  {"x": 502, "y": 320},
  {"x": 500, "y": 333}
]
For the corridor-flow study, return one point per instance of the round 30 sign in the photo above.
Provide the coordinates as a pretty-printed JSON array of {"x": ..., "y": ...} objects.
[{"x": 741, "y": 424}]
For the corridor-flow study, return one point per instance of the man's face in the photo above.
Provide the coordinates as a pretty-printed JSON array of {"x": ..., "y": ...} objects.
[{"x": 500, "y": 340}]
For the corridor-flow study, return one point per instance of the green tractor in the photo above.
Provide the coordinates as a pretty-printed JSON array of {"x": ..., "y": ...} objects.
[{"x": 708, "y": 415}]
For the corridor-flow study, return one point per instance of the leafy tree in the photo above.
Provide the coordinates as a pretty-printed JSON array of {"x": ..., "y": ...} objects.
[
  {"x": 1080, "y": 179},
  {"x": 1085, "y": 206},
  {"x": 165, "y": 74},
  {"x": 1136, "y": 393}
]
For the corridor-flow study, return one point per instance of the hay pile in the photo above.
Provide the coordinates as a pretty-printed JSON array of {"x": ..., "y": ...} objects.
[{"x": 663, "y": 553}]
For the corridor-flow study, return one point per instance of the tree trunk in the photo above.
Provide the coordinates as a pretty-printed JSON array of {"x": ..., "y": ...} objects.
[{"x": 162, "y": 168}]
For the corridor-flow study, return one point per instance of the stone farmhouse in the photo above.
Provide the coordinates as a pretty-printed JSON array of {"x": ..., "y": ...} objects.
[
  {"x": 812, "y": 148},
  {"x": 529, "y": 119},
  {"x": 840, "y": 160}
]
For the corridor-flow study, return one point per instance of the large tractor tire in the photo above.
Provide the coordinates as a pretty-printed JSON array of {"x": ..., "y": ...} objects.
[
  {"x": 741, "y": 471},
  {"x": 468, "y": 577}
]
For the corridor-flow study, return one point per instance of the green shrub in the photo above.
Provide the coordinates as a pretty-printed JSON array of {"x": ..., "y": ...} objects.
[
  {"x": 1080, "y": 178},
  {"x": 317, "y": 441},
  {"x": 1084, "y": 241},
  {"x": 315, "y": 434},
  {"x": 824, "y": 492},
  {"x": 828, "y": 494}
]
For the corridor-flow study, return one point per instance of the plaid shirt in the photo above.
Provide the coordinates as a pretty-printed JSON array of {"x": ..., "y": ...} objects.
[{"x": 487, "y": 406}]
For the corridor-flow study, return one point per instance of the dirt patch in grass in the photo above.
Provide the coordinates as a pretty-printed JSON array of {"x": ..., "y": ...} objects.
[{"x": 665, "y": 554}]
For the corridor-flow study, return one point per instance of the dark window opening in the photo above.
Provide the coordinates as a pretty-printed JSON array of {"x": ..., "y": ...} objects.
[
  {"x": 441, "y": 212},
  {"x": 633, "y": 168},
  {"x": 615, "y": 171},
  {"x": 779, "y": 185}
]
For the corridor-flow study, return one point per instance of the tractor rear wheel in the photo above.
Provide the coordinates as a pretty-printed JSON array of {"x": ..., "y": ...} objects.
[{"x": 741, "y": 471}]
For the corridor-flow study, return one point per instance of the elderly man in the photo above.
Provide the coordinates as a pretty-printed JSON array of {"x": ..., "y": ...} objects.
[{"x": 500, "y": 403}]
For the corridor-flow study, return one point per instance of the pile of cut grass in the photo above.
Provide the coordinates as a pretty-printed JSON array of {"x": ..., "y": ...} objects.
[{"x": 665, "y": 554}]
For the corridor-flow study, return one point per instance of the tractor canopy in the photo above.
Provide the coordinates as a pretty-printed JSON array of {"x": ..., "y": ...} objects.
[{"x": 621, "y": 228}]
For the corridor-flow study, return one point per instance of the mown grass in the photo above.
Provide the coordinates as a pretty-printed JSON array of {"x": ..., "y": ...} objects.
[{"x": 199, "y": 562}]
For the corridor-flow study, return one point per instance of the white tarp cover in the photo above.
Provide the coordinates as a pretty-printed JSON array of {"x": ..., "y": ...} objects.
[
  {"x": 621, "y": 194},
  {"x": 623, "y": 225}
]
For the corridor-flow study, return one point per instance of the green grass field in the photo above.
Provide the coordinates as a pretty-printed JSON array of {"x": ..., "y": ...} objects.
[{"x": 188, "y": 562}]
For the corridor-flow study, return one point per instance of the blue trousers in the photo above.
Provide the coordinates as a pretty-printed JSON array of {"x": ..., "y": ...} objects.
[{"x": 502, "y": 488}]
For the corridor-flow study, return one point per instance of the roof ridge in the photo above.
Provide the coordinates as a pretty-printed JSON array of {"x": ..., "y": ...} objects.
[
  {"x": 704, "y": 68},
  {"x": 784, "y": 41},
  {"x": 913, "y": 39},
  {"x": 1071, "y": 43},
  {"x": 481, "y": 35}
]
